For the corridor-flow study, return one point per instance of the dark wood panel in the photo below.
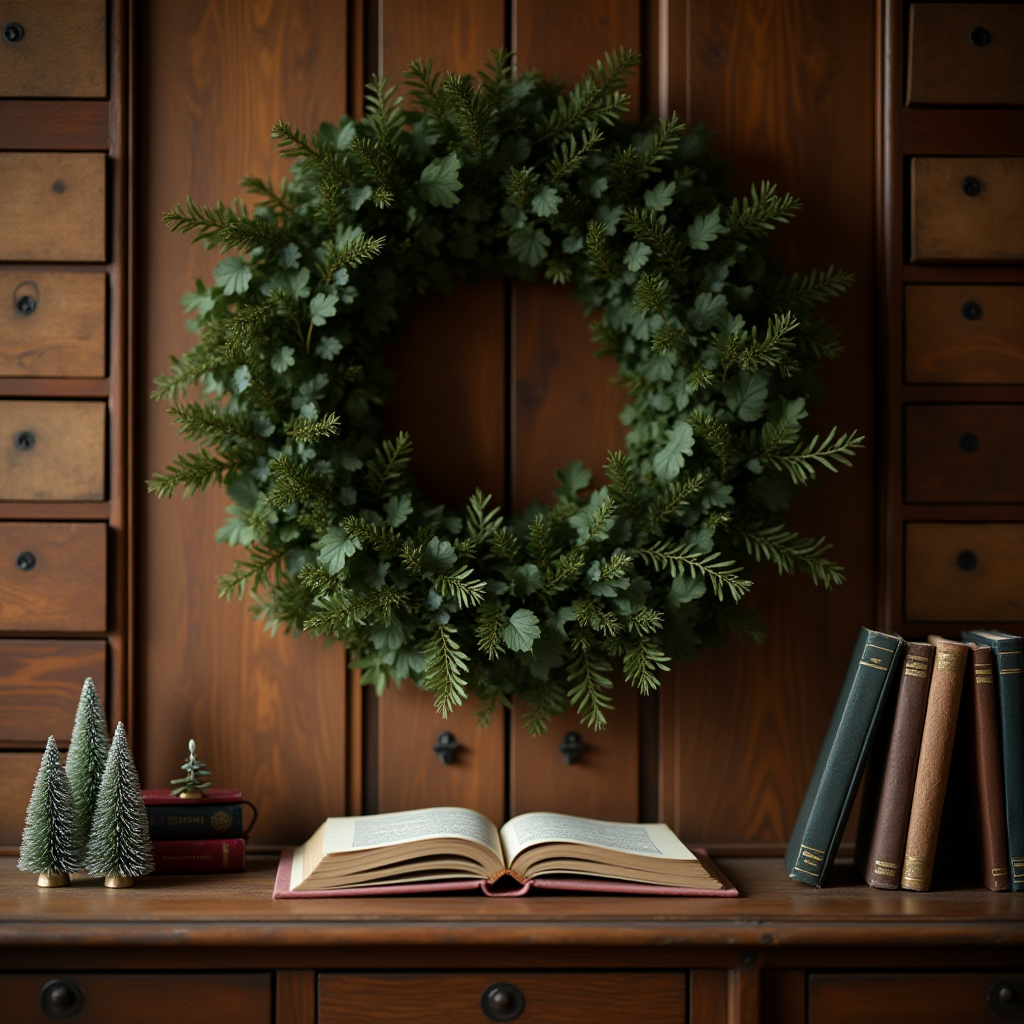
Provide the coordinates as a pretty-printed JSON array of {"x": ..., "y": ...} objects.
[
  {"x": 410, "y": 774},
  {"x": 53, "y": 577},
  {"x": 966, "y": 208},
  {"x": 741, "y": 727},
  {"x": 268, "y": 711},
  {"x": 19, "y": 772},
  {"x": 54, "y": 206},
  {"x": 40, "y": 683},
  {"x": 966, "y": 453},
  {"x": 295, "y": 997},
  {"x": 709, "y": 997},
  {"x": 52, "y": 324},
  {"x": 783, "y": 997},
  {"x": 455, "y": 998},
  {"x": 44, "y": 510},
  {"x": 147, "y": 998},
  {"x": 964, "y": 572},
  {"x": 890, "y": 998},
  {"x": 53, "y": 451},
  {"x": 966, "y": 132},
  {"x": 964, "y": 334},
  {"x": 69, "y": 125},
  {"x": 61, "y": 50}
]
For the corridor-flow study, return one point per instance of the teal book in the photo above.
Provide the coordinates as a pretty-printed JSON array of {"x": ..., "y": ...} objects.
[
  {"x": 1006, "y": 660},
  {"x": 874, "y": 664}
]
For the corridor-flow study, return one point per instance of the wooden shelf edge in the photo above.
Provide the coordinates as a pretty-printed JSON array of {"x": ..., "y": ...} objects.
[
  {"x": 54, "y": 387},
  {"x": 959, "y": 273},
  {"x": 964, "y": 131},
  {"x": 41, "y": 124},
  {"x": 59, "y": 511}
]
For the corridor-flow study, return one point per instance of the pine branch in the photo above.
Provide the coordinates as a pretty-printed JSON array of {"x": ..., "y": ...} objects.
[
  {"x": 652, "y": 294},
  {"x": 228, "y": 228},
  {"x": 192, "y": 471},
  {"x": 672, "y": 499},
  {"x": 198, "y": 421},
  {"x": 457, "y": 584},
  {"x": 544, "y": 699},
  {"x": 481, "y": 521},
  {"x": 807, "y": 290},
  {"x": 378, "y": 537},
  {"x": 681, "y": 559},
  {"x": 801, "y": 462},
  {"x": 652, "y": 229},
  {"x": 630, "y": 166},
  {"x": 760, "y": 213},
  {"x": 788, "y": 551},
  {"x": 564, "y": 572},
  {"x": 254, "y": 571},
  {"x": 569, "y": 156},
  {"x": 444, "y": 674},
  {"x": 386, "y": 470},
  {"x": 339, "y": 613},
  {"x": 588, "y": 682},
  {"x": 641, "y": 659},
  {"x": 490, "y": 623},
  {"x": 773, "y": 349},
  {"x": 309, "y": 431}
]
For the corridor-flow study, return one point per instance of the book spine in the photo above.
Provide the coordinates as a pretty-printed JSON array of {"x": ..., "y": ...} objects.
[
  {"x": 206, "y": 821},
  {"x": 933, "y": 764},
  {"x": 889, "y": 835},
  {"x": 1011, "y": 706},
  {"x": 198, "y": 856},
  {"x": 988, "y": 776},
  {"x": 815, "y": 840}
]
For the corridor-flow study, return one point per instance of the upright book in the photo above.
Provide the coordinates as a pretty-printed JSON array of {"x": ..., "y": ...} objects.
[
  {"x": 889, "y": 786},
  {"x": 826, "y": 808},
  {"x": 1006, "y": 650}
]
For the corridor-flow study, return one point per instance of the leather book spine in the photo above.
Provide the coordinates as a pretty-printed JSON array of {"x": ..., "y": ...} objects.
[
  {"x": 884, "y": 859},
  {"x": 988, "y": 772},
  {"x": 192, "y": 820},
  {"x": 198, "y": 856},
  {"x": 933, "y": 764},
  {"x": 840, "y": 765}
]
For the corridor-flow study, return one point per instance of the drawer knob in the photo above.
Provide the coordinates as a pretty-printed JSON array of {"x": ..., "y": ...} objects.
[
  {"x": 969, "y": 442},
  {"x": 967, "y": 560},
  {"x": 445, "y": 747},
  {"x": 24, "y": 440},
  {"x": 25, "y": 561},
  {"x": 26, "y": 305},
  {"x": 14, "y": 32},
  {"x": 571, "y": 747},
  {"x": 971, "y": 311},
  {"x": 981, "y": 36},
  {"x": 502, "y": 1002},
  {"x": 61, "y": 999},
  {"x": 971, "y": 186},
  {"x": 1006, "y": 998}
]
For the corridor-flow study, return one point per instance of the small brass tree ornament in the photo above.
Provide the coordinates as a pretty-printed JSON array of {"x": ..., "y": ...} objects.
[{"x": 188, "y": 787}]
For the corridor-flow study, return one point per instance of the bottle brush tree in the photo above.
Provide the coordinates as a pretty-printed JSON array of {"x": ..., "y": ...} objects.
[
  {"x": 87, "y": 755},
  {"x": 52, "y": 841},
  {"x": 119, "y": 845}
]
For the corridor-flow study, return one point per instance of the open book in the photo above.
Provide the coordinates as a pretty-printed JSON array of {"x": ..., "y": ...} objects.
[{"x": 449, "y": 848}]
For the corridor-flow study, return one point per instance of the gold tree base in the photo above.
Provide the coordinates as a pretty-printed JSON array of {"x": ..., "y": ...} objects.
[
  {"x": 54, "y": 881},
  {"x": 191, "y": 794},
  {"x": 118, "y": 881}
]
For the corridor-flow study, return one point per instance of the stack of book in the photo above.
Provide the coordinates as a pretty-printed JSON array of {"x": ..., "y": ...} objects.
[
  {"x": 944, "y": 722},
  {"x": 197, "y": 836}
]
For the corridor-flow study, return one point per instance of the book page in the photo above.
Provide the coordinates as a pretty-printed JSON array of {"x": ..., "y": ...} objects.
[{"x": 378, "y": 830}]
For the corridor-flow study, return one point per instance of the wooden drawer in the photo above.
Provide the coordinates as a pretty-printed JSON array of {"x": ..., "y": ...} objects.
[
  {"x": 53, "y": 206},
  {"x": 52, "y": 324},
  {"x": 898, "y": 998},
  {"x": 52, "y": 451},
  {"x": 587, "y": 998},
  {"x": 40, "y": 683},
  {"x": 968, "y": 453},
  {"x": 966, "y": 54},
  {"x": 964, "y": 572},
  {"x": 166, "y": 998},
  {"x": 966, "y": 208},
  {"x": 54, "y": 49},
  {"x": 964, "y": 334},
  {"x": 53, "y": 577},
  {"x": 19, "y": 773}
]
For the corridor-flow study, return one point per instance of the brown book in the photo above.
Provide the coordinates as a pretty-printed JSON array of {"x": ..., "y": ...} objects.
[
  {"x": 889, "y": 786},
  {"x": 987, "y": 770},
  {"x": 933, "y": 762}
]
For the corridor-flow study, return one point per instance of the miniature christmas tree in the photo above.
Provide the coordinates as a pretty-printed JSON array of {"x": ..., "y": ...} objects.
[
  {"x": 53, "y": 838},
  {"x": 119, "y": 846},
  {"x": 87, "y": 755},
  {"x": 188, "y": 787}
]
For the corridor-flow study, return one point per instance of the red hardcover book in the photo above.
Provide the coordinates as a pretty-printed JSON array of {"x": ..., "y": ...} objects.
[
  {"x": 162, "y": 797},
  {"x": 198, "y": 856}
]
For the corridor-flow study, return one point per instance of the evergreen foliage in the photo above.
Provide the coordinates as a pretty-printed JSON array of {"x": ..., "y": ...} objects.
[
  {"x": 119, "y": 841},
  {"x": 504, "y": 175},
  {"x": 194, "y": 769},
  {"x": 87, "y": 754},
  {"x": 53, "y": 839}
]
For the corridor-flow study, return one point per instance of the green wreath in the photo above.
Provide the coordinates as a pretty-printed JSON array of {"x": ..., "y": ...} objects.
[{"x": 506, "y": 175}]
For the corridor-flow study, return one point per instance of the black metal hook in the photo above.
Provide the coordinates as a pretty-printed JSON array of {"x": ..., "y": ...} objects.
[
  {"x": 571, "y": 747},
  {"x": 445, "y": 748}
]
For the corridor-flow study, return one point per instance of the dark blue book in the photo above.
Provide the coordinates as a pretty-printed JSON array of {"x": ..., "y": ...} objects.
[
  {"x": 874, "y": 665},
  {"x": 1006, "y": 661}
]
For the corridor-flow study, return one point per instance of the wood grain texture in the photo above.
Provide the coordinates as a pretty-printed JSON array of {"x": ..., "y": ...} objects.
[
  {"x": 53, "y": 206},
  {"x": 783, "y": 997},
  {"x": 67, "y": 457},
  {"x": 65, "y": 590},
  {"x": 62, "y": 53},
  {"x": 938, "y": 466},
  {"x": 69, "y": 125},
  {"x": 709, "y": 997},
  {"x": 578, "y": 998},
  {"x": 741, "y": 726},
  {"x": 63, "y": 335},
  {"x": 148, "y": 998},
  {"x": 269, "y": 712},
  {"x": 603, "y": 783},
  {"x": 40, "y": 683},
  {"x": 939, "y": 590},
  {"x": 19, "y": 772},
  {"x": 944, "y": 347},
  {"x": 948, "y": 224},
  {"x": 958, "y": 998},
  {"x": 295, "y": 997},
  {"x": 948, "y": 132},
  {"x": 410, "y": 774},
  {"x": 944, "y": 66}
]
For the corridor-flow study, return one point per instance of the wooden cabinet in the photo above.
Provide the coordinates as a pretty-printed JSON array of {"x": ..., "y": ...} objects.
[
  {"x": 966, "y": 54},
  {"x": 52, "y": 323}
]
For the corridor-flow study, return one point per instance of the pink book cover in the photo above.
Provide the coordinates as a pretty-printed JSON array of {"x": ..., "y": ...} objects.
[
  {"x": 488, "y": 888},
  {"x": 162, "y": 797}
]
